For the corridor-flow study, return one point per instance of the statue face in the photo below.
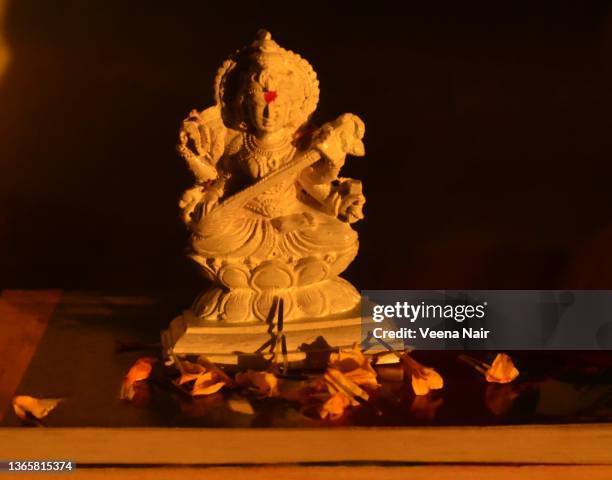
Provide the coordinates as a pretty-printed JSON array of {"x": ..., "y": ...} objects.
[
  {"x": 269, "y": 104},
  {"x": 268, "y": 110}
]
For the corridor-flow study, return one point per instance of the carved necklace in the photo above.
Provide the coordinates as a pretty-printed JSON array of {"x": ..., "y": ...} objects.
[{"x": 266, "y": 158}]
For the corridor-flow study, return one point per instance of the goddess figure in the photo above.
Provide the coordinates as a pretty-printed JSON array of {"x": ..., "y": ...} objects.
[{"x": 269, "y": 216}]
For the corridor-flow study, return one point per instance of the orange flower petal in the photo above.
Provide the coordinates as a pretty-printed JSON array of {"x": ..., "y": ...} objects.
[
  {"x": 346, "y": 360},
  {"x": 338, "y": 382},
  {"x": 424, "y": 379},
  {"x": 502, "y": 370},
  {"x": 355, "y": 365},
  {"x": 206, "y": 379},
  {"x": 265, "y": 383},
  {"x": 190, "y": 368},
  {"x": 207, "y": 388},
  {"x": 363, "y": 377},
  {"x": 190, "y": 371},
  {"x": 240, "y": 405},
  {"x": 139, "y": 371},
  {"x": 38, "y": 407},
  {"x": 335, "y": 406}
]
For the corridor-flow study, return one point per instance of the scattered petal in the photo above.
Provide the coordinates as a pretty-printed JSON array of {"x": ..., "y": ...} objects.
[
  {"x": 138, "y": 372},
  {"x": 37, "y": 407},
  {"x": 334, "y": 406},
  {"x": 354, "y": 365},
  {"x": 386, "y": 358},
  {"x": 424, "y": 378},
  {"x": 346, "y": 360},
  {"x": 338, "y": 382},
  {"x": 206, "y": 363},
  {"x": 207, "y": 379},
  {"x": 189, "y": 372},
  {"x": 265, "y": 383},
  {"x": 207, "y": 384},
  {"x": 502, "y": 370},
  {"x": 240, "y": 405}
]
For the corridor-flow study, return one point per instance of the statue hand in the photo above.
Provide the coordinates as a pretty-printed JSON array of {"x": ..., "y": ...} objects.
[
  {"x": 347, "y": 200},
  {"x": 341, "y": 137},
  {"x": 351, "y": 209},
  {"x": 189, "y": 202},
  {"x": 209, "y": 201},
  {"x": 201, "y": 142},
  {"x": 197, "y": 202}
]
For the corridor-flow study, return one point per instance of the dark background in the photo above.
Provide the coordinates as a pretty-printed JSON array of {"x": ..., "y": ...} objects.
[{"x": 488, "y": 136}]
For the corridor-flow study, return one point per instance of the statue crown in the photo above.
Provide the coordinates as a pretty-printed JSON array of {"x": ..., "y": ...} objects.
[{"x": 264, "y": 53}]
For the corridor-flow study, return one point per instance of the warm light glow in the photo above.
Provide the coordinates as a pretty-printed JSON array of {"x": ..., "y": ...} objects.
[{"x": 5, "y": 54}]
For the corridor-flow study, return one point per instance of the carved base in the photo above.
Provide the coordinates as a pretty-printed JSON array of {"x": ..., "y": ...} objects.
[
  {"x": 330, "y": 297},
  {"x": 236, "y": 344}
]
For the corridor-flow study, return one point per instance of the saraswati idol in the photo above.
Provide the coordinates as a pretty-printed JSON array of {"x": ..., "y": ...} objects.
[{"x": 270, "y": 217}]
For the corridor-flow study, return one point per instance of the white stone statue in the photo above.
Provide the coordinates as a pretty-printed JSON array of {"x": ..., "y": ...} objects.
[{"x": 269, "y": 214}]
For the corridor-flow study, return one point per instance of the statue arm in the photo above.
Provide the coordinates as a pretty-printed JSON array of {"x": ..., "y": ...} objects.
[
  {"x": 337, "y": 196},
  {"x": 202, "y": 140}
]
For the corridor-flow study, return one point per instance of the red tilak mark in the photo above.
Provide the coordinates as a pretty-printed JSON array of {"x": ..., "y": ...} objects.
[{"x": 270, "y": 96}]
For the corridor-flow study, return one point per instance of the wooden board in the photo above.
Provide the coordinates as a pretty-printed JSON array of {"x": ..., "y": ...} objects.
[
  {"x": 91, "y": 323},
  {"x": 553, "y": 444},
  {"x": 337, "y": 472}
]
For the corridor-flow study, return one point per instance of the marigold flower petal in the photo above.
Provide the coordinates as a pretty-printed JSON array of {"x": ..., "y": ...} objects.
[
  {"x": 206, "y": 380},
  {"x": 355, "y": 365},
  {"x": 335, "y": 406},
  {"x": 207, "y": 388},
  {"x": 139, "y": 371},
  {"x": 37, "y": 407},
  {"x": 502, "y": 370},
  {"x": 265, "y": 383},
  {"x": 424, "y": 379}
]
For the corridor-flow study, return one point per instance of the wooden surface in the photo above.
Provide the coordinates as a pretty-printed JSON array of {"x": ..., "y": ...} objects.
[
  {"x": 536, "y": 444},
  {"x": 23, "y": 318},
  {"x": 340, "y": 472},
  {"x": 503, "y": 452}
]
